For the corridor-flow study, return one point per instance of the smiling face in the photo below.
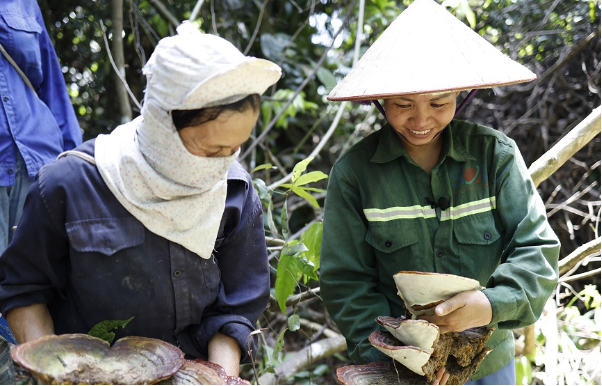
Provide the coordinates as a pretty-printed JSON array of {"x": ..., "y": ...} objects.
[
  {"x": 222, "y": 136},
  {"x": 419, "y": 118}
]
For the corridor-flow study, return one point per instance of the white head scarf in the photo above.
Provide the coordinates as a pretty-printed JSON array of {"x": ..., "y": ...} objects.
[{"x": 175, "y": 194}]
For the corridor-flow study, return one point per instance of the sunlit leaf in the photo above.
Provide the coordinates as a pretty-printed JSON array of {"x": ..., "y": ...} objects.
[
  {"x": 262, "y": 167},
  {"x": 287, "y": 276},
  {"x": 310, "y": 177},
  {"x": 302, "y": 193},
  {"x": 300, "y": 167}
]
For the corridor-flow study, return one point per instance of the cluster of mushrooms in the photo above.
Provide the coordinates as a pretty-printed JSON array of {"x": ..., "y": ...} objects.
[
  {"x": 417, "y": 348},
  {"x": 80, "y": 359}
]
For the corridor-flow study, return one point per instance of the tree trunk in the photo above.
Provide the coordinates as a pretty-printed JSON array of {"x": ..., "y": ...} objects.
[{"x": 117, "y": 48}]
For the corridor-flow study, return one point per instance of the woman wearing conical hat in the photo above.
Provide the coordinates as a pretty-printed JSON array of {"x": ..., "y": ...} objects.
[{"x": 432, "y": 193}]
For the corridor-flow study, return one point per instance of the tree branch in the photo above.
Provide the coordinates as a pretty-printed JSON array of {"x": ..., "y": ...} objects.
[
  {"x": 304, "y": 358},
  {"x": 165, "y": 12},
  {"x": 564, "y": 149},
  {"x": 293, "y": 300},
  {"x": 578, "y": 255},
  {"x": 300, "y": 88}
]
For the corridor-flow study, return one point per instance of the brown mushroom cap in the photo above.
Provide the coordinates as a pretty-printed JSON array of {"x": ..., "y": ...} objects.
[
  {"x": 422, "y": 291},
  {"x": 83, "y": 359},
  {"x": 378, "y": 373}
]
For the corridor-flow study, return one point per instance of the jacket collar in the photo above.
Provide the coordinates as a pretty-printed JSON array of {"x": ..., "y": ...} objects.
[{"x": 390, "y": 146}]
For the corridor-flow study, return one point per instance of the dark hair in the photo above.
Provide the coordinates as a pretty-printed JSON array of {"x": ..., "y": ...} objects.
[{"x": 187, "y": 118}]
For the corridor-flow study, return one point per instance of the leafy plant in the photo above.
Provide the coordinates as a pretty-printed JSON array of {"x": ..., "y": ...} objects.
[{"x": 103, "y": 330}]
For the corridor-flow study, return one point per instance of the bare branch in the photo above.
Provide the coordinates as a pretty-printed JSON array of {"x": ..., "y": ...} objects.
[
  {"x": 580, "y": 276},
  {"x": 578, "y": 255},
  {"x": 293, "y": 300},
  {"x": 554, "y": 158},
  {"x": 195, "y": 10},
  {"x": 165, "y": 12},
  {"x": 259, "y": 18},
  {"x": 304, "y": 358},
  {"x": 122, "y": 95},
  {"x": 125, "y": 83},
  {"x": 300, "y": 88}
]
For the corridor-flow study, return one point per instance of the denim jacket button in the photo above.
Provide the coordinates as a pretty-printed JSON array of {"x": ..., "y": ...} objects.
[{"x": 177, "y": 273}]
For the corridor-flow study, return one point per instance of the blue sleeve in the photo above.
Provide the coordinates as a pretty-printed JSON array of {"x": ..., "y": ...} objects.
[
  {"x": 245, "y": 286},
  {"x": 53, "y": 90}
]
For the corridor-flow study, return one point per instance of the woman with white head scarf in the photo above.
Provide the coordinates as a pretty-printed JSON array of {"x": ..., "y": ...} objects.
[
  {"x": 432, "y": 193},
  {"x": 155, "y": 221}
]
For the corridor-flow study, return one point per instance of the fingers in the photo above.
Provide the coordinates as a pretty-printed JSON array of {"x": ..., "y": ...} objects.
[
  {"x": 444, "y": 379},
  {"x": 440, "y": 377}
]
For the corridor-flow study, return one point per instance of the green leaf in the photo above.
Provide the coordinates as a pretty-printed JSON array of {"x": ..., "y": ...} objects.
[
  {"x": 270, "y": 370},
  {"x": 310, "y": 177},
  {"x": 287, "y": 276},
  {"x": 286, "y": 186},
  {"x": 307, "y": 267},
  {"x": 327, "y": 78},
  {"x": 279, "y": 344},
  {"x": 262, "y": 167},
  {"x": 294, "y": 322},
  {"x": 300, "y": 168},
  {"x": 312, "y": 239},
  {"x": 103, "y": 329},
  {"x": 270, "y": 217},
  {"x": 284, "y": 220},
  {"x": 301, "y": 192},
  {"x": 262, "y": 190},
  {"x": 293, "y": 248},
  {"x": 524, "y": 371}
]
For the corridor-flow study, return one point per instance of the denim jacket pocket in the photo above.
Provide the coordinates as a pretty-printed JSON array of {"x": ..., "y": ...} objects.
[{"x": 106, "y": 236}]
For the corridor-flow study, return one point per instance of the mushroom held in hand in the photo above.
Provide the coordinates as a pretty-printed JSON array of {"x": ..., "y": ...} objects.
[
  {"x": 423, "y": 291},
  {"x": 82, "y": 359}
]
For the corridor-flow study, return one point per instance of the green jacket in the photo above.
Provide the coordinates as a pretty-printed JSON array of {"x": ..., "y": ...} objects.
[{"x": 377, "y": 223}]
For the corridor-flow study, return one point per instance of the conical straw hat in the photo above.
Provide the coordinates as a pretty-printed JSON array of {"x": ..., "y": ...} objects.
[{"x": 426, "y": 50}]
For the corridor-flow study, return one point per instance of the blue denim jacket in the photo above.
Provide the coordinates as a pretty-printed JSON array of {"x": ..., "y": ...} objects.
[
  {"x": 39, "y": 128},
  {"x": 81, "y": 252}
]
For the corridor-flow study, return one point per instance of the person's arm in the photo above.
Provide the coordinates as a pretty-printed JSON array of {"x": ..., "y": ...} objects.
[
  {"x": 245, "y": 278},
  {"x": 521, "y": 284},
  {"x": 33, "y": 268},
  {"x": 53, "y": 91},
  {"x": 348, "y": 275},
  {"x": 30, "y": 322},
  {"x": 225, "y": 351}
]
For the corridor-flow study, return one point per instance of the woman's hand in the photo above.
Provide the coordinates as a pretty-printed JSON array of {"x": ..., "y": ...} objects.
[
  {"x": 463, "y": 311},
  {"x": 225, "y": 351},
  {"x": 441, "y": 377}
]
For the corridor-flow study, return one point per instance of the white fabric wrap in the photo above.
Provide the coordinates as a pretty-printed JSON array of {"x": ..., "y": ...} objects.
[{"x": 174, "y": 193}]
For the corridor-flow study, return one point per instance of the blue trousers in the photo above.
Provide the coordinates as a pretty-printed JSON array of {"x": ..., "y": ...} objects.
[
  {"x": 504, "y": 376},
  {"x": 12, "y": 199}
]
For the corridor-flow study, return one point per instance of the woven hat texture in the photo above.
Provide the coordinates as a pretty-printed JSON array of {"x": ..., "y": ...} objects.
[{"x": 426, "y": 50}]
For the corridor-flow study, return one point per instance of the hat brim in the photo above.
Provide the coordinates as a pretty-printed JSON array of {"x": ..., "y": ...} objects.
[{"x": 252, "y": 76}]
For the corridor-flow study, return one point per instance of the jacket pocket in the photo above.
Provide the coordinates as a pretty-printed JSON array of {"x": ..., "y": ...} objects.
[
  {"x": 24, "y": 47},
  {"x": 211, "y": 272},
  {"x": 105, "y": 236},
  {"x": 478, "y": 245},
  {"x": 388, "y": 239}
]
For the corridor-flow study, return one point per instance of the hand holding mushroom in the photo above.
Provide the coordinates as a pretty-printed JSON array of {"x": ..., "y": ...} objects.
[
  {"x": 463, "y": 311},
  {"x": 449, "y": 352}
]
